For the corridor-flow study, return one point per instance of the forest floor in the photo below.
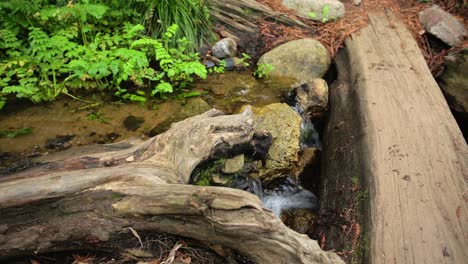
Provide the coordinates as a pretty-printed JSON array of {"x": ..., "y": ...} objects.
[{"x": 333, "y": 34}]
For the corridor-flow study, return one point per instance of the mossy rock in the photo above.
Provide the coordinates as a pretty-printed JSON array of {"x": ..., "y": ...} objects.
[{"x": 284, "y": 124}]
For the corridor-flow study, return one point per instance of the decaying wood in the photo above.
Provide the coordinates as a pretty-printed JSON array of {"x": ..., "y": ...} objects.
[
  {"x": 242, "y": 16},
  {"x": 391, "y": 126},
  {"x": 86, "y": 201}
]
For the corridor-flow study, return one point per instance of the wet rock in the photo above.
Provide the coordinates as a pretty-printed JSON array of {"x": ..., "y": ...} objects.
[
  {"x": 442, "y": 25},
  {"x": 194, "y": 106},
  {"x": 299, "y": 220},
  {"x": 234, "y": 165},
  {"x": 224, "y": 48},
  {"x": 300, "y": 59},
  {"x": 308, "y": 157},
  {"x": 454, "y": 82},
  {"x": 132, "y": 123},
  {"x": 284, "y": 124},
  {"x": 318, "y": 10},
  {"x": 312, "y": 97},
  {"x": 234, "y": 63},
  {"x": 59, "y": 142}
]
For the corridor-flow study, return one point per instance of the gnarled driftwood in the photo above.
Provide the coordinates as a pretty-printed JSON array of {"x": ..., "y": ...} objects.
[{"x": 73, "y": 201}]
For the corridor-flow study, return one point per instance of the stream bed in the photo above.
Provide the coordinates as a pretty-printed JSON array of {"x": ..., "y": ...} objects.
[{"x": 71, "y": 124}]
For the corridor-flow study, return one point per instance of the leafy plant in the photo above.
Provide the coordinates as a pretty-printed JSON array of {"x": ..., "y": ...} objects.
[
  {"x": 49, "y": 48},
  {"x": 312, "y": 15},
  {"x": 177, "y": 68},
  {"x": 219, "y": 68},
  {"x": 96, "y": 116},
  {"x": 245, "y": 59},
  {"x": 263, "y": 70},
  {"x": 325, "y": 13},
  {"x": 192, "y": 16}
]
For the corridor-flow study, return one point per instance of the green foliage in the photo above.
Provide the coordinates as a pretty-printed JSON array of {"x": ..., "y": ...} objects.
[
  {"x": 263, "y": 70},
  {"x": 178, "y": 68},
  {"x": 96, "y": 116},
  {"x": 245, "y": 59},
  {"x": 219, "y": 68},
  {"x": 312, "y": 14},
  {"x": 325, "y": 13},
  {"x": 192, "y": 16},
  {"x": 15, "y": 133},
  {"x": 51, "y": 49}
]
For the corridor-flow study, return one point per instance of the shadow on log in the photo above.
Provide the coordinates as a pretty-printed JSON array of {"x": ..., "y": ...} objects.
[{"x": 76, "y": 201}]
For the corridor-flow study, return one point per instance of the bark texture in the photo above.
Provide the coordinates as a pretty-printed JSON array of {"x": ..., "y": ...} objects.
[
  {"x": 86, "y": 199},
  {"x": 391, "y": 126}
]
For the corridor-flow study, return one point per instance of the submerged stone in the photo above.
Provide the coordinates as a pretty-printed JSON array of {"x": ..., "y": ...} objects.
[
  {"x": 194, "y": 106},
  {"x": 132, "y": 123}
]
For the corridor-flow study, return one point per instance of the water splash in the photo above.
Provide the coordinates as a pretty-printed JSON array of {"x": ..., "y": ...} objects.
[
  {"x": 289, "y": 195},
  {"x": 309, "y": 135}
]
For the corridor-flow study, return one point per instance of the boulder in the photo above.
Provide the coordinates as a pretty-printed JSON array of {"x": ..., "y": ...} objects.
[
  {"x": 312, "y": 97},
  {"x": 318, "y": 10},
  {"x": 284, "y": 124},
  {"x": 300, "y": 59},
  {"x": 442, "y": 25},
  {"x": 224, "y": 48},
  {"x": 454, "y": 82}
]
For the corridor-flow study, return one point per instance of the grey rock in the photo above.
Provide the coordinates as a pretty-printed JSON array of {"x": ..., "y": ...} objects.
[
  {"x": 233, "y": 165},
  {"x": 224, "y": 48},
  {"x": 319, "y": 10},
  {"x": 442, "y": 25},
  {"x": 312, "y": 97},
  {"x": 300, "y": 59}
]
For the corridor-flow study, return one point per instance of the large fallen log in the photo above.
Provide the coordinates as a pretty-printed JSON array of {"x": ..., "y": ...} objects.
[
  {"x": 85, "y": 201},
  {"x": 391, "y": 127}
]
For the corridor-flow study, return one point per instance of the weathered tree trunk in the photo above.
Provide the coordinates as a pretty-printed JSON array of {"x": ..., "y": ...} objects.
[
  {"x": 242, "y": 15},
  {"x": 391, "y": 127},
  {"x": 77, "y": 202}
]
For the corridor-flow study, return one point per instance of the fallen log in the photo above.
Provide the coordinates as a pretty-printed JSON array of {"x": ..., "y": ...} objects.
[
  {"x": 86, "y": 200},
  {"x": 391, "y": 131}
]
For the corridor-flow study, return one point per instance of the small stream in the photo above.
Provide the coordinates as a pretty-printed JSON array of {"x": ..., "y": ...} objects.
[
  {"x": 106, "y": 122},
  {"x": 288, "y": 195}
]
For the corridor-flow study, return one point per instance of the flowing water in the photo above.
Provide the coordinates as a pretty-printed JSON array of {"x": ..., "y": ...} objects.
[{"x": 286, "y": 196}]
